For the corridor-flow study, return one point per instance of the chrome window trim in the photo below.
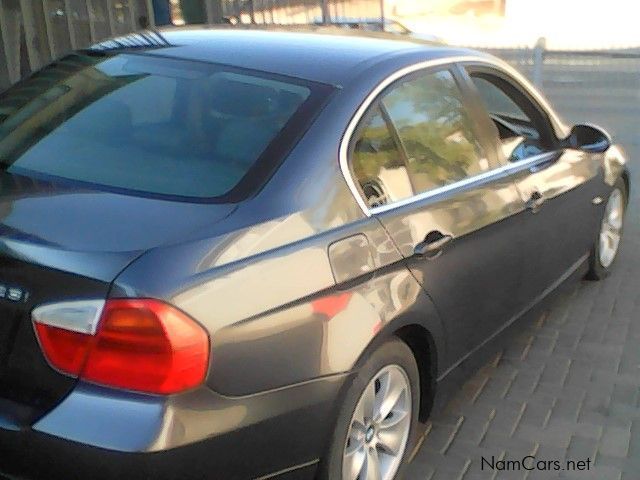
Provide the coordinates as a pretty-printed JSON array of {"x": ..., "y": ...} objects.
[
  {"x": 481, "y": 178},
  {"x": 403, "y": 72}
]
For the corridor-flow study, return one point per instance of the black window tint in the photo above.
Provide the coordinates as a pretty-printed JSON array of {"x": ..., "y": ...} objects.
[
  {"x": 498, "y": 102},
  {"x": 519, "y": 137},
  {"x": 377, "y": 163},
  {"x": 153, "y": 126},
  {"x": 435, "y": 130}
]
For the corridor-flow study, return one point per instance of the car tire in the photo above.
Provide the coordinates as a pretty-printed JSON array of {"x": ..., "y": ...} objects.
[
  {"x": 360, "y": 439},
  {"x": 603, "y": 253}
]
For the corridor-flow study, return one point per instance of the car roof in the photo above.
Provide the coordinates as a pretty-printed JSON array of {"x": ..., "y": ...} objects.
[{"x": 322, "y": 54}]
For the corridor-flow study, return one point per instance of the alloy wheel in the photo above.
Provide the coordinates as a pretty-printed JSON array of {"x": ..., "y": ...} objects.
[
  {"x": 379, "y": 428},
  {"x": 611, "y": 229}
]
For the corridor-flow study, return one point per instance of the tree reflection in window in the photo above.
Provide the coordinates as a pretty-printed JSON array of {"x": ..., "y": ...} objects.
[{"x": 435, "y": 130}]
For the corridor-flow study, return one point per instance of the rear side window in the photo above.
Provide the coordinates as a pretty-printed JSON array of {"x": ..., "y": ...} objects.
[
  {"x": 378, "y": 165},
  {"x": 435, "y": 130},
  {"x": 151, "y": 125}
]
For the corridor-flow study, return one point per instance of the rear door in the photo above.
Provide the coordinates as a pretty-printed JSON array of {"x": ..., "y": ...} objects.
[
  {"x": 557, "y": 184},
  {"x": 426, "y": 172}
]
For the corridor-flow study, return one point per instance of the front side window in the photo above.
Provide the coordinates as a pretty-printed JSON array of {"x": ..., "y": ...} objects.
[
  {"x": 148, "y": 125},
  {"x": 518, "y": 124},
  {"x": 435, "y": 130},
  {"x": 498, "y": 102}
]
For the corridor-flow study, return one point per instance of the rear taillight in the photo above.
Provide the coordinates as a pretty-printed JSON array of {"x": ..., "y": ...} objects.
[{"x": 135, "y": 344}]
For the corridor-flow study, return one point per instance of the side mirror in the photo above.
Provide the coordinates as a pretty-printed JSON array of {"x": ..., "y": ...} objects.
[{"x": 589, "y": 138}]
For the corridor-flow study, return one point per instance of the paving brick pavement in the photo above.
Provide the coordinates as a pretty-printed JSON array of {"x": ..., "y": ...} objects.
[{"x": 567, "y": 386}]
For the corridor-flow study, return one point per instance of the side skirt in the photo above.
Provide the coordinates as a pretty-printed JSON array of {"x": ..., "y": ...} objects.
[{"x": 449, "y": 382}]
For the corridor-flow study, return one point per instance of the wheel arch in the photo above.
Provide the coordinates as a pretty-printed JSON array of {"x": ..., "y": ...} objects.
[
  {"x": 420, "y": 327},
  {"x": 424, "y": 346},
  {"x": 627, "y": 183}
]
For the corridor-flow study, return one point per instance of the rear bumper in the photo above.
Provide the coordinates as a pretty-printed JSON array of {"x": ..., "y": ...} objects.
[
  {"x": 277, "y": 434},
  {"x": 47, "y": 458}
]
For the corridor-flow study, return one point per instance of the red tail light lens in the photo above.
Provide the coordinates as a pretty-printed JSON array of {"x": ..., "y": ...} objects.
[
  {"x": 149, "y": 346},
  {"x": 142, "y": 345},
  {"x": 65, "y": 350}
]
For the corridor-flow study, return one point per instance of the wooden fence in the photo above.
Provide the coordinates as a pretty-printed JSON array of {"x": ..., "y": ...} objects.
[{"x": 34, "y": 32}]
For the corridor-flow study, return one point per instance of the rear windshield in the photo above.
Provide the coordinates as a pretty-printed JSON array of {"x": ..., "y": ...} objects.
[{"x": 151, "y": 125}]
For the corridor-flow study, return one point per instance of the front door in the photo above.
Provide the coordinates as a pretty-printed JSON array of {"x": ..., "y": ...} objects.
[{"x": 558, "y": 185}]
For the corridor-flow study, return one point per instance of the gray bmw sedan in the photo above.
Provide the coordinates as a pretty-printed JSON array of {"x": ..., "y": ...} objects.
[{"x": 239, "y": 254}]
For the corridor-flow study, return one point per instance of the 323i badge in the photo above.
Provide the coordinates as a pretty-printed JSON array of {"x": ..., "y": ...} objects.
[{"x": 13, "y": 293}]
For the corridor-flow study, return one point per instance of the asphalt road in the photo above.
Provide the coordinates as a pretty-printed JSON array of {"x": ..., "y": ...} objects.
[{"x": 568, "y": 385}]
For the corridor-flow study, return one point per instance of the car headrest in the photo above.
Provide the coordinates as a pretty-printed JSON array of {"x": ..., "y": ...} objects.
[
  {"x": 106, "y": 118},
  {"x": 239, "y": 99}
]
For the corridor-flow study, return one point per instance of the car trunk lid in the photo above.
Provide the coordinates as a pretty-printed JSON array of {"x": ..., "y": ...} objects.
[{"x": 60, "y": 243}]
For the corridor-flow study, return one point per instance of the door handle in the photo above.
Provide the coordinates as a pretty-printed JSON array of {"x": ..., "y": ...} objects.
[
  {"x": 535, "y": 202},
  {"x": 432, "y": 244}
]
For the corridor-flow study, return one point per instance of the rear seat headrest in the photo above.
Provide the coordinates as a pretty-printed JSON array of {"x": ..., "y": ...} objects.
[{"x": 240, "y": 99}]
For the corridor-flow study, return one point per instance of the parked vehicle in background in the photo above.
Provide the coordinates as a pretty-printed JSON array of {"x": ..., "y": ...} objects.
[
  {"x": 388, "y": 25},
  {"x": 241, "y": 254}
]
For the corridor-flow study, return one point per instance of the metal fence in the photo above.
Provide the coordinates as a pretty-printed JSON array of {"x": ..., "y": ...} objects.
[
  {"x": 539, "y": 64},
  {"x": 301, "y": 11},
  {"x": 601, "y": 87}
]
